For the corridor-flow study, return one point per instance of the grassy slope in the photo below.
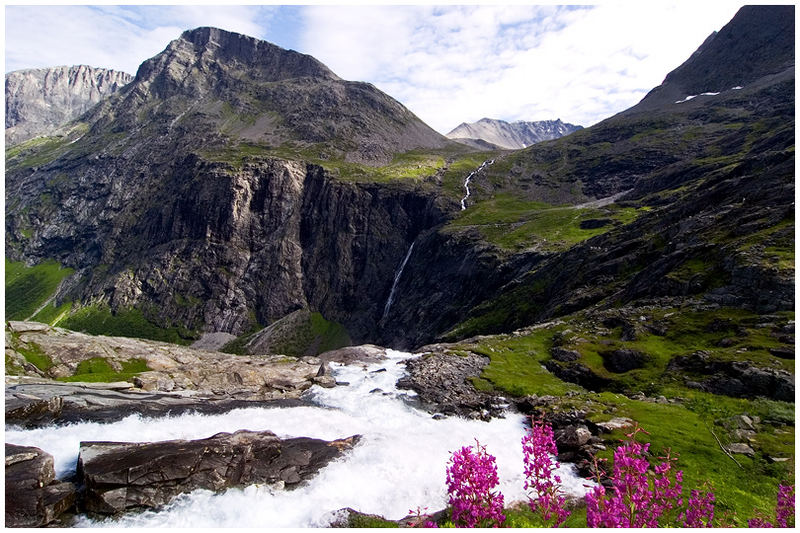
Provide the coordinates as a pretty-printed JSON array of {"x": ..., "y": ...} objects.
[
  {"x": 298, "y": 334},
  {"x": 97, "y": 320},
  {"x": 27, "y": 288}
]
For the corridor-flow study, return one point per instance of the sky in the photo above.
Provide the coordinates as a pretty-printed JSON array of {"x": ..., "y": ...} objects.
[{"x": 447, "y": 63}]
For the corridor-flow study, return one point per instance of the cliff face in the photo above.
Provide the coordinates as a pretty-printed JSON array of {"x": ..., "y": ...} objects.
[
  {"x": 38, "y": 101},
  {"x": 220, "y": 248}
]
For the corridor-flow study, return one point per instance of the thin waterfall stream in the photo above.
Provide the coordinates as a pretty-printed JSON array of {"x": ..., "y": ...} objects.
[
  {"x": 466, "y": 181},
  {"x": 397, "y": 275}
]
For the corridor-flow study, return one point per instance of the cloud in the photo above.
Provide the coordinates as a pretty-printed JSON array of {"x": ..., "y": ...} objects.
[
  {"x": 460, "y": 63},
  {"x": 118, "y": 37}
]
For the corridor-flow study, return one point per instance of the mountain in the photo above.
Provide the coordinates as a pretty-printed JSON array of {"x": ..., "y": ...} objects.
[
  {"x": 38, "y": 101},
  {"x": 756, "y": 44},
  {"x": 512, "y": 135},
  {"x": 234, "y": 88},
  {"x": 188, "y": 200},
  {"x": 233, "y": 183},
  {"x": 707, "y": 185}
]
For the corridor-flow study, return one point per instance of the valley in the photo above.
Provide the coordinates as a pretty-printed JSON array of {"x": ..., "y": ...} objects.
[{"x": 238, "y": 237}]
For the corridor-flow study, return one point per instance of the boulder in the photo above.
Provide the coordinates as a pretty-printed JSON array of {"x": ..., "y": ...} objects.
[
  {"x": 34, "y": 498},
  {"x": 624, "y": 360},
  {"x": 572, "y": 437},
  {"x": 365, "y": 353},
  {"x": 616, "y": 423},
  {"x": 443, "y": 382},
  {"x": 742, "y": 448},
  {"x": 120, "y": 476},
  {"x": 37, "y": 404},
  {"x": 564, "y": 355}
]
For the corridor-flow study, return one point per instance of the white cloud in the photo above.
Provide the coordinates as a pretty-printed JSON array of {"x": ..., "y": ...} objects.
[{"x": 456, "y": 63}]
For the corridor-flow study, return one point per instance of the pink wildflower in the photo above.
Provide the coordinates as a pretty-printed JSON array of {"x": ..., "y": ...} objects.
[
  {"x": 537, "y": 447},
  {"x": 471, "y": 476}
]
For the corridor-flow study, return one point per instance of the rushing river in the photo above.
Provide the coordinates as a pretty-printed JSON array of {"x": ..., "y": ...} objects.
[{"x": 399, "y": 464}]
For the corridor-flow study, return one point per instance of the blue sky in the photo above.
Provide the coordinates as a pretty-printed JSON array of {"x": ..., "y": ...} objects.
[{"x": 449, "y": 64}]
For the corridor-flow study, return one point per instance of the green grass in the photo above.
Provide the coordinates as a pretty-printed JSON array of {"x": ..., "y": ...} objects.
[
  {"x": 35, "y": 152},
  {"x": 516, "y": 365},
  {"x": 99, "y": 370},
  {"x": 361, "y": 521},
  {"x": 97, "y": 320},
  {"x": 27, "y": 288},
  {"x": 515, "y": 224},
  {"x": 685, "y": 427},
  {"x": 413, "y": 165},
  {"x": 688, "y": 433},
  {"x": 52, "y": 315}
]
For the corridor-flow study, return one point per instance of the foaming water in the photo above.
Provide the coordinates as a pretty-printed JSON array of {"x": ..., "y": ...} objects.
[{"x": 398, "y": 465}]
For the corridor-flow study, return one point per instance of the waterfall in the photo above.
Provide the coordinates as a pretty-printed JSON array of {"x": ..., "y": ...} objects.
[
  {"x": 466, "y": 181},
  {"x": 396, "y": 280}
]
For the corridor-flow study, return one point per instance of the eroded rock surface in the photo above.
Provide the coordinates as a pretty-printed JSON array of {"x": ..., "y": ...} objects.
[
  {"x": 121, "y": 476},
  {"x": 171, "y": 367}
]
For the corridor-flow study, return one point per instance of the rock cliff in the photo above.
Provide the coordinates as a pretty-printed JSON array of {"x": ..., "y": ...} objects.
[{"x": 38, "y": 101}]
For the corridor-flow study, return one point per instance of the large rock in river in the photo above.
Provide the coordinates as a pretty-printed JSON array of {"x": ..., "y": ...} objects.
[
  {"x": 34, "y": 497},
  {"x": 119, "y": 476}
]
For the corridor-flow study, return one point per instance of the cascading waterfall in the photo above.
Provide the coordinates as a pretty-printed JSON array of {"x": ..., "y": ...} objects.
[
  {"x": 398, "y": 465},
  {"x": 397, "y": 275},
  {"x": 466, "y": 181}
]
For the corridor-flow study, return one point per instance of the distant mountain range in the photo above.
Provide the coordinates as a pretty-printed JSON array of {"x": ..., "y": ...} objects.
[
  {"x": 511, "y": 135},
  {"x": 40, "y": 100}
]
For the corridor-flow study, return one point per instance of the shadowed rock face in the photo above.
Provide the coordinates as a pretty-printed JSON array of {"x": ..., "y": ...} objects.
[
  {"x": 38, "y": 101},
  {"x": 120, "y": 476}
]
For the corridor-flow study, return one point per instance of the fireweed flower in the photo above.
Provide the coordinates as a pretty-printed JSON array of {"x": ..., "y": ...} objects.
[
  {"x": 699, "y": 510},
  {"x": 542, "y": 485},
  {"x": 784, "y": 510},
  {"x": 471, "y": 476},
  {"x": 638, "y": 496}
]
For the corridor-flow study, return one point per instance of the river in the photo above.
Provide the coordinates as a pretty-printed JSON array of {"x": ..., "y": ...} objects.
[{"x": 399, "y": 464}]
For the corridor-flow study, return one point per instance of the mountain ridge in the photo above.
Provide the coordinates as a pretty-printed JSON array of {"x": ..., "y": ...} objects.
[
  {"x": 40, "y": 100},
  {"x": 512, "y": 135}
]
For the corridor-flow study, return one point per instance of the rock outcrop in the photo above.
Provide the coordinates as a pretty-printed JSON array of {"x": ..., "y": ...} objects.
[
  {"x": 740, "y": 379},
  {"x": 124, "y": 476},
  {"x": 169, "y": 367},
  {"x": 39, "y": 101},
  {"x": 34, "y": 498},
  {"x": 443, "y": 382}
]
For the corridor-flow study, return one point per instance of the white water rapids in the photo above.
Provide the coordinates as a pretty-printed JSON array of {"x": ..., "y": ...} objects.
[
  {"x": 466, "y": 181},
  {"x": 399, "y": 464}
]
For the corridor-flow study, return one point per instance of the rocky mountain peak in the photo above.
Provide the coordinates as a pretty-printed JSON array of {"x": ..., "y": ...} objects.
[
  {"x": 757, "y": 42},
  {"x": 206, "y": 57},
  {"x": 511, "y": 135},
  {"x": 268, "y": 61}
]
